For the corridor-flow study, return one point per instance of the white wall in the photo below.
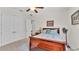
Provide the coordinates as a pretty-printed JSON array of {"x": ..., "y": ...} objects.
[{"x": 74, "y": 33}]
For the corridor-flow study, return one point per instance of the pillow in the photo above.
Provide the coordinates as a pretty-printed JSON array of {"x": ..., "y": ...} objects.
[
  {"x": 44, "y": 31},
  {"x": 53, "y": 31},
  {"x": 48, "y": 31}
]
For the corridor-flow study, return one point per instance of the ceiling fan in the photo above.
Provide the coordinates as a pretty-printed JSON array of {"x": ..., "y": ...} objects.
[{"x": 34, "y": 9}]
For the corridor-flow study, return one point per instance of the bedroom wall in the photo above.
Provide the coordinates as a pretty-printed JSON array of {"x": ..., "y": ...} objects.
[
  {"x": 58, "y": 14},
  {"x": 74, "y": 36}
]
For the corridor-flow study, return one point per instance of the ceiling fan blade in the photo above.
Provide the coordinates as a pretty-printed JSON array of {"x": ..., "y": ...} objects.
[
  {"x": 39, "y": 7},
  {"x": 36, "y": 11},
  {"x": 28, "y": 10}
]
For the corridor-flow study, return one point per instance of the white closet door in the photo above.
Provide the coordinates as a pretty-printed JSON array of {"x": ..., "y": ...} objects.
[
  {"x": 19, "y": 30},
  {"x": 7, "y": 28},
  {"x": 0, "y": 31},
  {"x": 13, "y": 28}
]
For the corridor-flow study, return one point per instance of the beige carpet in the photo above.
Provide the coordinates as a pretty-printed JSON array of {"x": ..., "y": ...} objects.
[{"x": 21, "y": 45}]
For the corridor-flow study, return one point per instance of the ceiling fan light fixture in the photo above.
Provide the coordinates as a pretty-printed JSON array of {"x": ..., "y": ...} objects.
[
  {"x": 32, "y": 8},
  {"x": 35, "y": 9}
]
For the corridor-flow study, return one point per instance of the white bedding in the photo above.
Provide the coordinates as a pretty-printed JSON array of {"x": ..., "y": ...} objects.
[{"x": 51, "y": 37}]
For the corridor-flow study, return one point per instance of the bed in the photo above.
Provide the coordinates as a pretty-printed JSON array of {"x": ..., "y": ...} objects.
[{"x": 49, "y": 40}]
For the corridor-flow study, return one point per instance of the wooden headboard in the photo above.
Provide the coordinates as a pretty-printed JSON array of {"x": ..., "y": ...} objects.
[{"x": 58, "y": 30}]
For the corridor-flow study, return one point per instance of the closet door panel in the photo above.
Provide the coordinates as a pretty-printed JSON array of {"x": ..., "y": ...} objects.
[
  {"x": 0, "y": 31},
  {"x": 7, "y": 28},
  {"x": 0, "y": 27}
]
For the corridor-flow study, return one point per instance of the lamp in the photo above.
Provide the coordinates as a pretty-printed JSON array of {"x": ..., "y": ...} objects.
[{"x": 65, "y": 32}]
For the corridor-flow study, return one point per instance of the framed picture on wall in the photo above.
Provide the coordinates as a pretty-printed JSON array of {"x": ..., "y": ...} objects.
[
  {"x": 50, "y": 23},
  {"x": 75, "y": 18}
]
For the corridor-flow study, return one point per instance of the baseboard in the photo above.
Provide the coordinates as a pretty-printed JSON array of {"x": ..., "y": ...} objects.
[{"x": 77, "y": 49}]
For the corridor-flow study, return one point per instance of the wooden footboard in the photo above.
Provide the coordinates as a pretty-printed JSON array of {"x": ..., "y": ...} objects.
[{"x": 46, "y": 45}]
